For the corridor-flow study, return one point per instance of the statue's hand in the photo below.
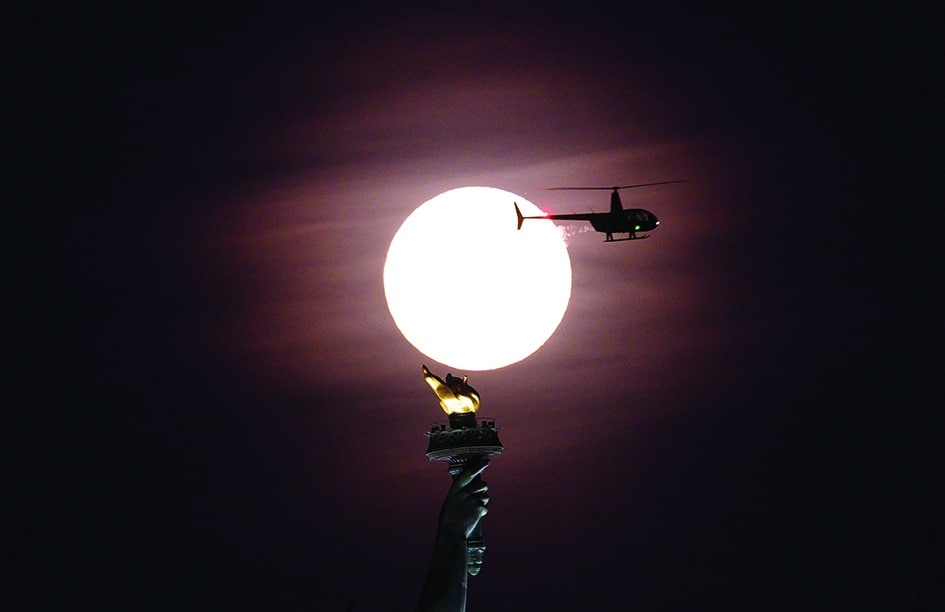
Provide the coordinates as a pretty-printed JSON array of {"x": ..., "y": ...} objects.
[{"x": 466, "y": 502}]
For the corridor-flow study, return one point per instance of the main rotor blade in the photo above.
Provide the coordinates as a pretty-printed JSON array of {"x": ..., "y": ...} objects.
[
  {"x": 648, "y": 184},
  {"x": 610, "y": 188}
]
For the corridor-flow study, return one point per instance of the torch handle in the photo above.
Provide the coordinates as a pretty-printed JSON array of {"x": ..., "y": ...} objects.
[{"x": 475, "y": 549}]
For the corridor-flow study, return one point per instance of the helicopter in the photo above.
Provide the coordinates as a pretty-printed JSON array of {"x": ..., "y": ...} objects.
[{"x": 619, "y": 220}]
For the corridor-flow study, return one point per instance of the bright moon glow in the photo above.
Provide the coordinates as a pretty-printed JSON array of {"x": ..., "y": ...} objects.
[{"x": 468, "y": 289}]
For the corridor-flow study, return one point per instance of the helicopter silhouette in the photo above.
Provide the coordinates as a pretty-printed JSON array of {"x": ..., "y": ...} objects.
[{"x": 618, "y": 220}]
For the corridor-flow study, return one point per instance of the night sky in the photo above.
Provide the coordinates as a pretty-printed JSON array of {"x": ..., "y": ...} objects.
[{"x": 212, "y": 408}]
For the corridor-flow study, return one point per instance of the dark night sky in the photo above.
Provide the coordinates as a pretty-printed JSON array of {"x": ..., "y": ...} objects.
[{"x": 212, "y": 407}]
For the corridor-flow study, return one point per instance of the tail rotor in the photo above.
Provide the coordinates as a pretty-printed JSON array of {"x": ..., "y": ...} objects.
[{"x": 518, "y": 213}]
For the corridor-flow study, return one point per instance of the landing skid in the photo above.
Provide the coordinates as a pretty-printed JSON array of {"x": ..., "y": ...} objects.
[{"x": 644, "y": 236}]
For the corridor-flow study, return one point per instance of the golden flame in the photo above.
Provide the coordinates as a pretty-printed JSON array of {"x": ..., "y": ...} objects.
[{"x": 455, "y": 395}]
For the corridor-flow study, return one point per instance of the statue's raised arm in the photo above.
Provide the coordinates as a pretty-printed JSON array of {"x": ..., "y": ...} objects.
[{"x": 455, "y": 394}]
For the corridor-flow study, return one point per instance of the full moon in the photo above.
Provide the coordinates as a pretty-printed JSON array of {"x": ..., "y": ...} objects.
[{"x": 469, "y": 290}]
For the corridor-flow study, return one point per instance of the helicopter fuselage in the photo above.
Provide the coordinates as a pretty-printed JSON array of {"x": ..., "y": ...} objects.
[{"x": 627, "y": 221}]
